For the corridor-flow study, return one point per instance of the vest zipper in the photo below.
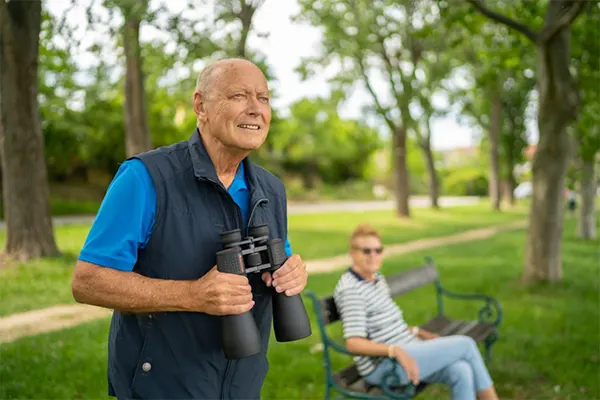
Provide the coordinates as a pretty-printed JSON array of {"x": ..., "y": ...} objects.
[
  {"x": 239, "y": 214},
  {"x": 240, "y": 222}
]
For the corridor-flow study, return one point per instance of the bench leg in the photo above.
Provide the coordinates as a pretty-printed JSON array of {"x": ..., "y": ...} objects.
[{"x": 489, "y": 341}]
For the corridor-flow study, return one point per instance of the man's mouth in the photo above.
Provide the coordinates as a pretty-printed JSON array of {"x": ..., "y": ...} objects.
[{"x": 249, "y": 126}]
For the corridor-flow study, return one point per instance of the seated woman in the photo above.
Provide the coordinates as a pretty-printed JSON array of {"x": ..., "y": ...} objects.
[{"x": 375, "y": 329}]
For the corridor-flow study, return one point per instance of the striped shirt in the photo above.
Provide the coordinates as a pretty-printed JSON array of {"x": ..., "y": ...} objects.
[{"x": 368, "y": 310}]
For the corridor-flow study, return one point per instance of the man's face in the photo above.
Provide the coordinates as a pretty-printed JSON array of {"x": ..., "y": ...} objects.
[
  {"x": 237, "y": 111},
  {"x": 367, "y": 253}
]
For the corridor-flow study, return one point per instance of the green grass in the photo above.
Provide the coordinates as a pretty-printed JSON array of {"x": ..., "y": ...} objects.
[
  {"x": 46, "y": 282},
  {"x": 548, "y": 347}
]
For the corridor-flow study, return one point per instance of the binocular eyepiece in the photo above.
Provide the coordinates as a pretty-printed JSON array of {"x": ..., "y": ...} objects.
[{"x": 255, "y": 254}]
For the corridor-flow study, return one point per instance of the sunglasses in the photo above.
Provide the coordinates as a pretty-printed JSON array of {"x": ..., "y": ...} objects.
[{"x": 366, "y": 250}]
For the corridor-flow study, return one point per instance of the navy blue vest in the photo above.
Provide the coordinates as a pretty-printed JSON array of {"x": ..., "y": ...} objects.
[{"x": 173, "y": 355}]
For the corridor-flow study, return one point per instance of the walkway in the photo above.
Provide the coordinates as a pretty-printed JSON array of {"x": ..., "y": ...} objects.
[{"x": 63, "y": 316}]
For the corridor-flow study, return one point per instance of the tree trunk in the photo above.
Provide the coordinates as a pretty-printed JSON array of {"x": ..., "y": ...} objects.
[
  {"x": 494, "y": 136},
  {"x": 509, "y": 185},
  {"x": 558, "y": 104},
  {"x": 587, "y": 212},
  {"x": 431, "y": 173},
  {"x": 29, "y": 232},
  {"x": 401, "y": 173},
  {"x": 137, "y": 135},
  {"x": 246, "y": 20},
  {"x": 509, "y": 182}
]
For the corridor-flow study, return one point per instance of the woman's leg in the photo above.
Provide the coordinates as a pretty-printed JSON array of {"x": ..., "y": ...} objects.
[
  {"x": 459, "y": 377},
  {"x": 434, "y": 355}
]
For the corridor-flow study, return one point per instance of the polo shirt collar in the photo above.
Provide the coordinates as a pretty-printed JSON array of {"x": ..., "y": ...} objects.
[
  {"x": 360, "y": 278},
  {"x": 205, "y": 169}
]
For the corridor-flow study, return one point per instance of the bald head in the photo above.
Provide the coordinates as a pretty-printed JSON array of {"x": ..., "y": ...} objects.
[
  {"x": 232, "y": 104},
  {"x": 213, "y": 72}
]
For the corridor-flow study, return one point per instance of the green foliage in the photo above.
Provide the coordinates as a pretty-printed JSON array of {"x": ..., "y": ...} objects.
[
  {"x": 316, "y": 143},
  {"x": 586, "y": 60},
  {"x": 466, "y": 181}
]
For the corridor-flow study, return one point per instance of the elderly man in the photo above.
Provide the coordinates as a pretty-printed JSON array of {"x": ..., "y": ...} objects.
[
  {"x": 375, "y": 330},
  {"x": 150, "y": 254}
]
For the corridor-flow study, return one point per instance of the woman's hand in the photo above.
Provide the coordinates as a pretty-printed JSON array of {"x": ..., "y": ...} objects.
[
  {"x": 408, "y": 363},
  {"x": 426, "y": 335}
]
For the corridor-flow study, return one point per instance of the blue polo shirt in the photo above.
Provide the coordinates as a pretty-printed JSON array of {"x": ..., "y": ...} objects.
[{"x": 125, "y": 219}]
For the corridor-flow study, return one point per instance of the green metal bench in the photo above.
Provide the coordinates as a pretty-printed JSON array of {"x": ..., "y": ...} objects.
[{"x": 350, "y": 384}]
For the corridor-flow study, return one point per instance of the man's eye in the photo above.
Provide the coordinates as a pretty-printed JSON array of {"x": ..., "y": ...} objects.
[
  {"x": 238, "y": 95},
  {"x": 264, "y": 99}
]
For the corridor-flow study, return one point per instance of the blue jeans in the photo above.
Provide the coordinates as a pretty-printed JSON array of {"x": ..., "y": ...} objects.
[{"x": 451, "y": 360}]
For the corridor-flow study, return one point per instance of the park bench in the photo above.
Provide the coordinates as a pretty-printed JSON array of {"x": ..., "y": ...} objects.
[{"x": 350, "y": 384}]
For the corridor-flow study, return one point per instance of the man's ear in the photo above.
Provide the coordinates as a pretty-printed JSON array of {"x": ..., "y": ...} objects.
[{"x": 199, "y": 106}]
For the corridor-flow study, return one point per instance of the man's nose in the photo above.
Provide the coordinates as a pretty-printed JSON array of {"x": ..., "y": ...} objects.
[{"x": 253, "y": 107}]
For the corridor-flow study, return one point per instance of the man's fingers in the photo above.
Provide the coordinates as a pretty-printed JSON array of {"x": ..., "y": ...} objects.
[
  {"x": 237, "y": 309},
  {"x": 293, "y": 291},
  {"x": 291, "y": 263},
  {"x": 234, "y": 279},
  {"x": 290, "y": 284},
  {"x": 267, "y": 279},
  {"x": 239, "y": 290}
]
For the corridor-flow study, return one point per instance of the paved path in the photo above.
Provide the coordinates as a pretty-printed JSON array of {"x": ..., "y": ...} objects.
[
  {"x": 59, "y": 317},
  {"x": 312, "y": 208}
]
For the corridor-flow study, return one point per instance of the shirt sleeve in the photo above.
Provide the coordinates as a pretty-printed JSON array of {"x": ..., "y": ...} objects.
[
  {"x": 351, "y": 307},
  {"x": 124, "y": 221},
  {"x": 288, "y": 247}
]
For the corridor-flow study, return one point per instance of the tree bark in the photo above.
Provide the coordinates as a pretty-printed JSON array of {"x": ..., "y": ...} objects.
[
  {"x": 401, "y": 173},
  {"x": 509, "y": 182},
  {"x": 558, "y": 105},
  {"x": 494, "y": 137},
  {"x": 509, "y": 189},
  {"x": 431, "y": 173},
  {"x": 587, "y": 212},
  {"x": 246, "y": 15},
  {"x": 137, "y": 135},
  {"x": 29, "y": 232}
]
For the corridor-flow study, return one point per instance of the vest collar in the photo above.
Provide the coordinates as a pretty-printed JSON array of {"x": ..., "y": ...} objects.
[{"x": 204, "y": 167}]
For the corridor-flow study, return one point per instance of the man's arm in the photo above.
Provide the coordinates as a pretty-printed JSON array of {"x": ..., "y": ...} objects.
[
  {"x": 129, "y": 291},
  {"x": 215, "y": 293},
  {"x": 104, "y": 273}
]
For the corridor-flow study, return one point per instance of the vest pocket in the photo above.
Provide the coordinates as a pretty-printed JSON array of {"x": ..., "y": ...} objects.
[{"x": 144, "y": 364}]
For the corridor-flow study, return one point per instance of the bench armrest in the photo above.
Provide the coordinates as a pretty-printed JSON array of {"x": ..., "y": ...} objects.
[
  {"x": 389, "y": 380},
  {"x": 490, "y": 312}
]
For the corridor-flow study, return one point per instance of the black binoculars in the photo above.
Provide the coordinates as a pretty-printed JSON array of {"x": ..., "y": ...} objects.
[{"x": 255, "y": 254}]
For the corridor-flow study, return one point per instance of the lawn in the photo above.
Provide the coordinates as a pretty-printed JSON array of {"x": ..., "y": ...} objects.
[
  {"x": 47, "y": 282},
  {"x": 548, "y": 347}
]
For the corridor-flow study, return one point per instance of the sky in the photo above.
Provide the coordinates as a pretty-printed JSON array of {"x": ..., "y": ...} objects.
[{"x": 286, "y": 45}]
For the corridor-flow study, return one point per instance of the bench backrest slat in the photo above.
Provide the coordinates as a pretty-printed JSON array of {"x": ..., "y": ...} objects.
[{"x": 412, "y": 279}]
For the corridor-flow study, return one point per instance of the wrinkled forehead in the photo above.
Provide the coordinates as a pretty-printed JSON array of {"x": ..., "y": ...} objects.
[{"x": 239, "y": 76}]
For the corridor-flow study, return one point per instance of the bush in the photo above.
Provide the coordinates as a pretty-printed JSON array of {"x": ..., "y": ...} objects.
[{"x": 468, "y": 181}]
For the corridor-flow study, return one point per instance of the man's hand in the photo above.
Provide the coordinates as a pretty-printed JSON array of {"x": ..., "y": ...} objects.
[
  {"x": 290, "y": 278},
  {"x": 219, "y": 293},
  {"x": 409, "y": 364}
]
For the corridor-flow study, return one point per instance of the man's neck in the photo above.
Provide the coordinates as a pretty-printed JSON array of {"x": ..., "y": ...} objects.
[{"x": 225, "y": 159}]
